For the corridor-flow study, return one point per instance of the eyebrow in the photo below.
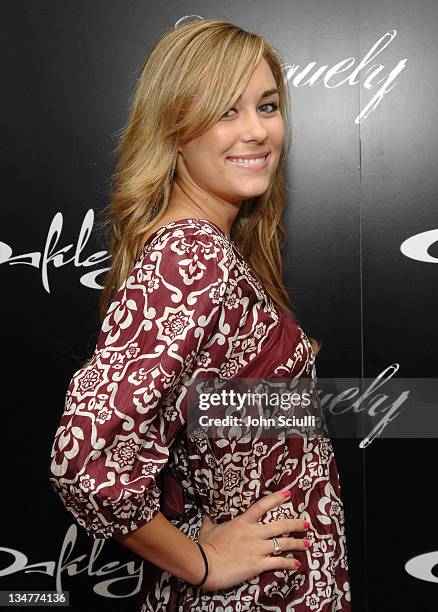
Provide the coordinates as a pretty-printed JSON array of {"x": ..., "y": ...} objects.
[
  {"x": 269, "y": 92},
  {"x": 265, "y": 94}
]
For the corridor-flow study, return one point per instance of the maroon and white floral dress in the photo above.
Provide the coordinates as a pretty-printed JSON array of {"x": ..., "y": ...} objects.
[{"x": 192, "y": 305}]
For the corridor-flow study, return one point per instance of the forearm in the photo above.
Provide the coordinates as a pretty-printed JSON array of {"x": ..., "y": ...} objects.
[{"x": 161, "y": 543}]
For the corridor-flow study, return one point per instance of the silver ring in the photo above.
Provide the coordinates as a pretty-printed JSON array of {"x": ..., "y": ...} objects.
[{"x": 277, "y": 548}]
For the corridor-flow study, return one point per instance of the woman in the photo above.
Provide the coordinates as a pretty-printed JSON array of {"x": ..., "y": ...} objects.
[{"x": 195, "y": 290}]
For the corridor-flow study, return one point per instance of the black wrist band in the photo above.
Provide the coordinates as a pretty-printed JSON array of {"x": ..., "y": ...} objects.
[{"x": 206, "y": 566}]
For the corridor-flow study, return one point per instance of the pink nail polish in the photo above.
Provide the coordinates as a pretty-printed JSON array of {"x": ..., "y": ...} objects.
[
  {"x": 286, "y": 494},
  {"x": 297, "y": 564},
  {"x": 306, "y": 543},
  {"x": 306, "y": 525}
]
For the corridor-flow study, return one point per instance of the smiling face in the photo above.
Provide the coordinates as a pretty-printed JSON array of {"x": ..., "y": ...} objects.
[{"x": 213, "y": 166}]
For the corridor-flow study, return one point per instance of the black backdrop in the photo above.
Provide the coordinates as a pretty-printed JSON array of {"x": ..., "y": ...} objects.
[{"x": 361, "y": 181}]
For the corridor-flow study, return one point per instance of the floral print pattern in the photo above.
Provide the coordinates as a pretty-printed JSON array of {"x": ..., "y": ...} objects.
[{"x": 192, "y": 307}]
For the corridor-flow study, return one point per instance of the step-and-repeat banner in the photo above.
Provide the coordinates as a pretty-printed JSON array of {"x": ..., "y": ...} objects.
[{"x": 361, "y": 257}]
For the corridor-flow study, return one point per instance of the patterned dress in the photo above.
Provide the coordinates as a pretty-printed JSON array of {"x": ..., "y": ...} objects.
[{"x": 192, "y": 305}]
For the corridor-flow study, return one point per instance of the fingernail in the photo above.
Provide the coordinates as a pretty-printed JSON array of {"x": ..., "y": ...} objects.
[
  {"x": 297, "y": 564},
  {"x": 306, "y": 525},
  {"x": 306, "y": 543}
]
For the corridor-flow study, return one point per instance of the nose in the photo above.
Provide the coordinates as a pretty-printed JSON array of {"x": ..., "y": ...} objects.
[{"x": 253, "y": 127}]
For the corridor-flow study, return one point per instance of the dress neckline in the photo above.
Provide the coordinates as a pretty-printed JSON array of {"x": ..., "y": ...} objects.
[{"x": 179, "y": 221}]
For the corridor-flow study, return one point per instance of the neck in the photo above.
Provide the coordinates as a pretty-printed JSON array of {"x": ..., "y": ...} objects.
[{"x": 184, "y": 202}]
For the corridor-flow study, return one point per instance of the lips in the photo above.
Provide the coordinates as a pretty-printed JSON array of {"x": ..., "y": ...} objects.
[
  {"x": 251, "y": 156},
  {"x": 255, "y": 163}
]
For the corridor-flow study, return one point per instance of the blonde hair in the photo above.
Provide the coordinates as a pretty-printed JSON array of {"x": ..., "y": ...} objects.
[{"x": 172, "y": 105}]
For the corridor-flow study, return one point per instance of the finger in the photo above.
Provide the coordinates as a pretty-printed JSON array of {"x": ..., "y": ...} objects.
[
  {"x": 282, "y": 526},
  {"x": 273, "y": 563},
  {"x": 287, "y": 544},
  {"x": 264, "y": 504}
]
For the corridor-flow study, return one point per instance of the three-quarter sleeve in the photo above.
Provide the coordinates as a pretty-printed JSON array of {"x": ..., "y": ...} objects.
[{"x": 123, "y": 409}]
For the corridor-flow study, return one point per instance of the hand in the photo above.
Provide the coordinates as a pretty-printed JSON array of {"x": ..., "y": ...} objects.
[{"x": 239, "y": 549}]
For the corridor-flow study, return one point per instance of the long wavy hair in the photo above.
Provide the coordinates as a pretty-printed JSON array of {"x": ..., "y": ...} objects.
[{"x": 185, "y": 85}]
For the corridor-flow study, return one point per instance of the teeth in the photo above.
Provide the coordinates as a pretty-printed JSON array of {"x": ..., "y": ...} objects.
[{"x": 251, "y": 162}]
